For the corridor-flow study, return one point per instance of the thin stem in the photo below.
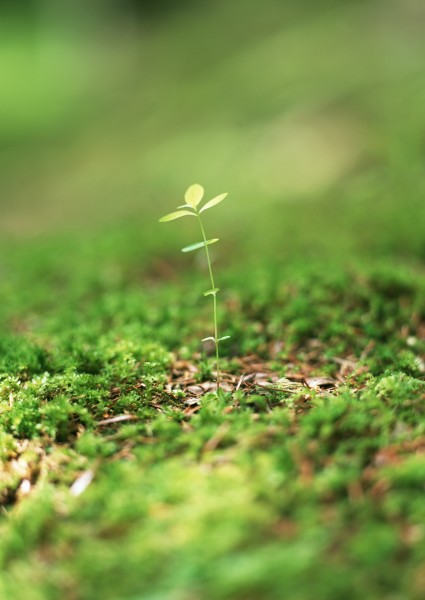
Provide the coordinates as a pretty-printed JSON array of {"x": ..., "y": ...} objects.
[{"x": 217, "y": 355}]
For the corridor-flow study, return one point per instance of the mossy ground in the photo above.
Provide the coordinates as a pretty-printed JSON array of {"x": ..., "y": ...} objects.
[{"x": 254, "y": 494}]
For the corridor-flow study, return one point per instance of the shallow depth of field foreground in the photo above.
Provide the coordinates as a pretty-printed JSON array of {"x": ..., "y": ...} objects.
[{"x": 124, "y": 475}]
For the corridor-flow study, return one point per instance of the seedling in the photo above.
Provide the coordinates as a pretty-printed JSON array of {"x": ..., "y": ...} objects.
[{"x": 192, "y": 208}]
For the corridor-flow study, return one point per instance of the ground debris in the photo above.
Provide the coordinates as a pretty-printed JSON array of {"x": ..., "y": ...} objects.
[
  {"x": 320, "y": 383},
  {"x": 251, "y": 375},
  {"x": 82, "y": 483}
]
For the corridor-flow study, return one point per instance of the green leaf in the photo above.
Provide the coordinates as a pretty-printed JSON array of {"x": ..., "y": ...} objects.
[
  {"x": 213, "y": 202},
  {"x": 208, "y": 339},
  {"x": 199, "y": 245},
  {"x": 212, "y": 292},
  {"x": 194, "y": 195},
  {"x": 225, "y": 337},
  {"x": 176, "y": 215}
]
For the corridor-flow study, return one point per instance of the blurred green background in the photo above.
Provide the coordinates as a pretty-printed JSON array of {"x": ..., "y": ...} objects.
[{"x": 310, "y": 114}]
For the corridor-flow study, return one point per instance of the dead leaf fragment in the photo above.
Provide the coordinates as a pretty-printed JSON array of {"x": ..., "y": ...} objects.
[
  {"x": 82, "y": 483},
  {"x": 320, "y": 382},
  {"x": 25, "y": 488},
  {"x": 117, "y": 419}
]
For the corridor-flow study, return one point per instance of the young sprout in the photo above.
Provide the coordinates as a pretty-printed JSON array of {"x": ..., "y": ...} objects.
[{"x": 192, "y": 207}]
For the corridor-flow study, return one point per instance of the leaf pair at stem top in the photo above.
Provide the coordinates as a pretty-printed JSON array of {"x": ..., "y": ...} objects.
[{"x": 193, "y": 198}]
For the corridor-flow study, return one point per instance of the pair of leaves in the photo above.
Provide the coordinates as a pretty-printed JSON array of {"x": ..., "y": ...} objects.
[
  {"x": 193, "y": 198},
  {"x": 212, "y": 292},
  {"x": 199, "y": 245},
  {"x": 212, "y": 339}
]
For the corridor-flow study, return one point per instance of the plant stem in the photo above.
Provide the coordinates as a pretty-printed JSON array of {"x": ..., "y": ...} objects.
[{"x": 217, "y": 354}]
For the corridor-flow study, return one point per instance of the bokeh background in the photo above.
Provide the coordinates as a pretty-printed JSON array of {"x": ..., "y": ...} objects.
[{"x": 310, "y": 114}]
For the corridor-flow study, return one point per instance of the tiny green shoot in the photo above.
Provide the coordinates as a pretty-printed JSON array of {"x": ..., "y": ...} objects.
[{"x": 192, "y": 207}]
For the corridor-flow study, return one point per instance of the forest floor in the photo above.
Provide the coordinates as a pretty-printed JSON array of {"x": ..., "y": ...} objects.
[{"x": 125, "y": 476}]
